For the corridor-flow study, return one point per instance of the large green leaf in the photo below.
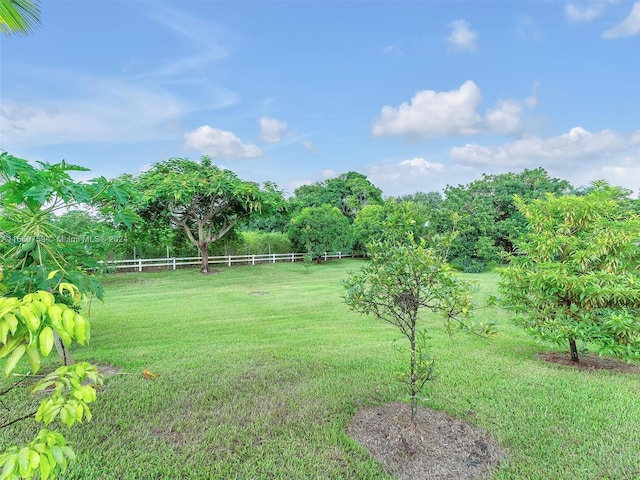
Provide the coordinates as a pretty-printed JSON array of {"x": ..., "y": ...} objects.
[{"x": 19, "y": 16}]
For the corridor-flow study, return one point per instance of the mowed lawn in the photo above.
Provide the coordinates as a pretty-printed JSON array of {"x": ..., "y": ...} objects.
[{"x": 260, "y": 370}]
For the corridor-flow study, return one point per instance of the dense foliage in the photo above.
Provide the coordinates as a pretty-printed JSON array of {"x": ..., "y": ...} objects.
[
  {"x": 202, "y": 199},
  {"x": 379, "y": 223},
  {"x": 19, "y": 16},
  {"x": 317, "y": 230},
  {"x": 574, "y": 275},
  {"x": 485, "y": 214},
  {"x": 349, "y": 192},
  {"x": 43, "y": 282},
  {"x": 37, "y": 240}
]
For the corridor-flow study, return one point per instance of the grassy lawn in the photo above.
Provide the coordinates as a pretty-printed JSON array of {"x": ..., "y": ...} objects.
[{"x": 261, "y": 368}]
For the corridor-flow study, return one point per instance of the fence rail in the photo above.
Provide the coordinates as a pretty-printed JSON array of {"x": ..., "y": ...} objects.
[{"x": 140, "y": 264}]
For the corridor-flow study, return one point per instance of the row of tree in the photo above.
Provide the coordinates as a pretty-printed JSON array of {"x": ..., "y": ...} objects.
[
  {"x": 571, "y": 275},
  {"x": 194, "y": 208}
]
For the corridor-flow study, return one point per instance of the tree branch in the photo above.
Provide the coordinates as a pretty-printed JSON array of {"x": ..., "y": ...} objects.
[{"x": 24, "y": 417}]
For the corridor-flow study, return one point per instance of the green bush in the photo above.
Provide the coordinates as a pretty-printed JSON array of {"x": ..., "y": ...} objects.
[
  {"x": 471, "y": 265},
  {"x": 258, "y": 243}
]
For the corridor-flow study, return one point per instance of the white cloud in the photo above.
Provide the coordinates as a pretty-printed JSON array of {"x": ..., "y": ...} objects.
[
  {"x": 272, "y": 129},
  {"x": 527, "y": 28},
  {"x": 220, "y": 144},
  {"x": 433, "y": 114},
  {"x": 574, "y": 149},
  {"x": 392, "y": 50},
  {"x": 505, "y": 118},
  {"x": 204, "y": 38},
  {"x": 407, "y": 176},
  {"x": 310, "y": 147},
  {"x": 584, "y": 12},
  {"x": 101, "y": 111},
  {"x": 462, "y": 38},
  {"x": 629, "y": 27},
  {"x": 325, "y": 174}
]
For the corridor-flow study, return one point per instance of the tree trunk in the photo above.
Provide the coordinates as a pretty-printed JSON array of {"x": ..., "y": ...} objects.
[
  {"x": 204, "y": 252},
  {"x": 414, "y": 393},
  {"x": 574, "y": 350},
  {"x": 63, "y": 352}
]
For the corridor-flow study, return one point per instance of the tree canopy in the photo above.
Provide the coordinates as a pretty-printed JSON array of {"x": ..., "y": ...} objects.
[
  {"x": 320, "y": 229},
  {"x": 376, "y": 223},
  {"x": 349, "y": 192},
  {"x": 203, "y": 199},
  {"x": 485, "y": 215},
  {"x": 574, "y": 275},
  {"x": 31, "y": 197}
]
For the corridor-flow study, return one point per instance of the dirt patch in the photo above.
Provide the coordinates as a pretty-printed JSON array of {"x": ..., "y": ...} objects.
[
  {"x": 258, "y": 294},
  {"x": 109, "y": 370},
  {"x": 438, "y": 447},
  {"x": 590, "y": 362}
]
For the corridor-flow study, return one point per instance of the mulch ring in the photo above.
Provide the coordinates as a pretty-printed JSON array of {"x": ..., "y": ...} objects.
[
  {"x": 590, "y": 362},
  {"x": 437, "y": 447}
]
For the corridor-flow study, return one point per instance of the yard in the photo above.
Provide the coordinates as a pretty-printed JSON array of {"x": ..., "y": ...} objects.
[{"x": 260, "y": 370}]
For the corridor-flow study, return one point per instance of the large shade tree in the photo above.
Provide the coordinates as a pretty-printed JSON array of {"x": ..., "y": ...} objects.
[
  {"x": 203, "y": 199},
  {"x": 574, "y": 276}
]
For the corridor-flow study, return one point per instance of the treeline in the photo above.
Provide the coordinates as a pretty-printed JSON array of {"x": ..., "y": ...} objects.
[{"x": 344, "y": 213}]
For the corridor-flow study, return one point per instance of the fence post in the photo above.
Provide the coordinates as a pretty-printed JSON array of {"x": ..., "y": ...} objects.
[
  {"x": 229, "y": 262},
  {"x": 339, "y": 255},
  {"x": 174, "y": 263},
  {"x": 325, "y": 256},
  {"x": 293, "y": 258},
  {"x": 139, "y": 264},
  {"x": 273, "y": 255},
  {"x": 253, "y": 259}
]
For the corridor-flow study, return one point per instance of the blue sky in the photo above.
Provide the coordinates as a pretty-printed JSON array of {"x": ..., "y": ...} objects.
[{"x": 414, "y": 94}]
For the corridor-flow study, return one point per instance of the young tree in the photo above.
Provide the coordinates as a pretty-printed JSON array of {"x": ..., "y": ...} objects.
[
  {"x": 404, "y": 280},
  {"x": 204, "y": 200},
  {"x": 27, "y": 329},
  {"x": 40, "y": 300},
  {"x": 316, "y": 230},
  {"x": 574, "y": 275},
  {"x": 31, "y": 198}
]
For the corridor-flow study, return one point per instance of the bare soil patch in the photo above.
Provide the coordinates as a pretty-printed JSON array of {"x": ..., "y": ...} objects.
[
  {"x": 590, "y": 362},
  {"x": 108, "y": 370},
  {"x": 438, "y": 447}
]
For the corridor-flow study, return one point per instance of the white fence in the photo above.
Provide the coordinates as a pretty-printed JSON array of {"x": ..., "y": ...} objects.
[{"x": 139, "y": 264}]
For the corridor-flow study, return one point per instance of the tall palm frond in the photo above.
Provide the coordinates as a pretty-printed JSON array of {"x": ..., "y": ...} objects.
[{"x": 19, "y": 16}]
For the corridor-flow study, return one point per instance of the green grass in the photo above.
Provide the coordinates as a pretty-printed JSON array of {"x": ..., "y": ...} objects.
[{"x": 261, "y": 368}]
